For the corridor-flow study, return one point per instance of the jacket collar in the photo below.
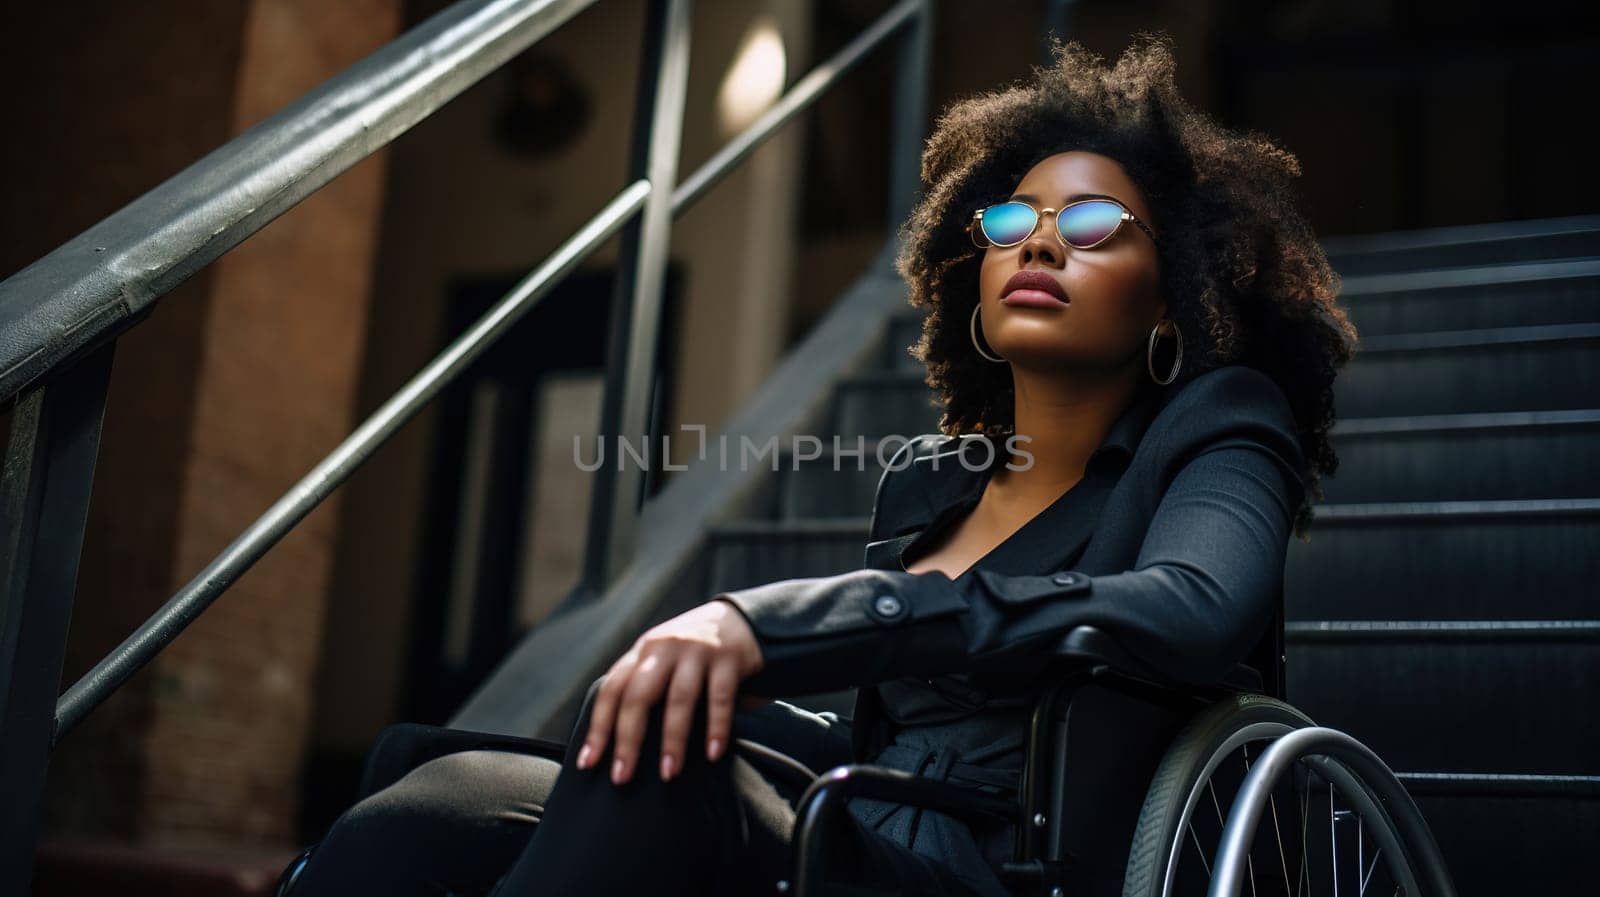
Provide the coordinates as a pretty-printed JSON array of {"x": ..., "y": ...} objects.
[
  {"x": 1051, "y": 540},
  {"x": 970, "y": 460}
]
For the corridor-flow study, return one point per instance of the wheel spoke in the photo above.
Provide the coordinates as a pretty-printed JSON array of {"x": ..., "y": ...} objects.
[
  {"x": 1200, "y": 850},
  {"x": 1333, "y": 835},
  {"x": 1319, "y": 760},
  {"x": 1214, "y": 803},
  {"x": 1305, "y": 816},
  {"x": 1249, "y": 857},
  {"x": 1277, "y": 831},
  {"x": 1374, "y": 865}
]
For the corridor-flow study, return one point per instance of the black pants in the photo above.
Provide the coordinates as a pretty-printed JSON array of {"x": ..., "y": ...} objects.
[{"x": 511, "y": 825}]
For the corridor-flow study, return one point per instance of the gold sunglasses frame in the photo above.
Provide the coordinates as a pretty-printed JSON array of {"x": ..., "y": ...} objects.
[{"x": 975, "y": 228}]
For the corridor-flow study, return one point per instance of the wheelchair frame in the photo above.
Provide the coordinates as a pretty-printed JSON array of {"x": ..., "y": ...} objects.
[{"x": 1039, "y": 865}]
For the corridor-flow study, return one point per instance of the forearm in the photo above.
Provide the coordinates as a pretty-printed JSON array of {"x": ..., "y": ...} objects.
[{"x": 1199, "y": 594}]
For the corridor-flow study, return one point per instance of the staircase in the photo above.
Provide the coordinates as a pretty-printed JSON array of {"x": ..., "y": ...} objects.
[{"x": 1445, "y": 611}]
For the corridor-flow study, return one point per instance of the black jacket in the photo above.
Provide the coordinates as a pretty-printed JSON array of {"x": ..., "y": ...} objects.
[{"x": 1192, "y": 494}]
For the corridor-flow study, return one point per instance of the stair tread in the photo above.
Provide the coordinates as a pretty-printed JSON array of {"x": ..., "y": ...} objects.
[
  {"x": 1480, "y": 336},
  {"x": 1362, "y": 286}
]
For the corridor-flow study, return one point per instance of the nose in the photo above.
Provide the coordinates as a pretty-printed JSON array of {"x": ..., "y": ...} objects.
[{"x": 1042, "y": 245}]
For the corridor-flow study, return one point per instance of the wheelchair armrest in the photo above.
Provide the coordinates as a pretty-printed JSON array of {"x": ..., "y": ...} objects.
[
  {"x": 1092, "y": 645},
  {"x": 403, "y": 747},
  {"x": 826, "y": 798}
]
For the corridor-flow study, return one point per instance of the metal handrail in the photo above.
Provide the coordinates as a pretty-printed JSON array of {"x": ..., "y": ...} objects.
[
  {"x": 618, "y": 494},
  {"x": 101, "y": 282},
  {"x": 225, "y": 569},
  {"x": 232, "y": 562},
  {"x": 61, "y": 317}
]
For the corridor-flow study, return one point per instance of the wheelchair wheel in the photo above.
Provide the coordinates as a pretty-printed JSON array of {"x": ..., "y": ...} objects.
[{"x": 1324, "y": 828}]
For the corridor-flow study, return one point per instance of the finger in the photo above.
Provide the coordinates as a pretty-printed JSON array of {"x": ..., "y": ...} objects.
[
  {"x": 722, "y": 686},
  {"x": 649, "y": 680},
  {"x": 603, "y": 712},
  {"x": 682, "y": 696}
]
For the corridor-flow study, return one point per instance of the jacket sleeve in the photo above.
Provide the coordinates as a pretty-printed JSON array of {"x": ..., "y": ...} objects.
[{"x": 1201, "y": 591}]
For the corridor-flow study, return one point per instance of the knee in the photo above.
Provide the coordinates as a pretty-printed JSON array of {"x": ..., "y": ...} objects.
[
  {"x": 455, "y": 818},
  {"x": 463, "y": 787}
]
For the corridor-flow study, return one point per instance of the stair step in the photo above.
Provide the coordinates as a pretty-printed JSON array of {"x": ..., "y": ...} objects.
[
  {"x": 1437, "y": 561},
  {"x": 1421, "y": 458},
  {"x": 1316, "y": 632},
  {"x": 1557, "y": 290},
  {"x": 1566, "y": 291},
  {"x": 834, "y": 484},
  {"x": 1505, "y": 369},
  {"x": 1521, "y": 701},
  {"x": 1539, "y": 368},
  {"x": 1472, "y": 244},
  {"x": 903, "y": 332},
  {"x": 1535, "y": 828},
  {"x": 884, "y": 404},
  {"x": 1481, "y": 296},
  {"x": 1469, "y": 457},
  {"x": 1498, "y": 455},
  {"x": 1447, "y": 561},
  {"x": 753, "y": 553}
]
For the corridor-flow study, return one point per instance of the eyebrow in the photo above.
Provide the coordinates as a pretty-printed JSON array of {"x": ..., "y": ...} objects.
[{"x": 1073, "y": 198}]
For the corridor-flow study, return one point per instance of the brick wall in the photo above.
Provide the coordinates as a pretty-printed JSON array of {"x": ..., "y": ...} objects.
[
  {"x": 233, "y": 388},
  {"x": 231, "y": 698}
]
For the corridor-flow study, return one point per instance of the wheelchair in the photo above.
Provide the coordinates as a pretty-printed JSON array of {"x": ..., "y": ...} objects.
[{"x": 1133, "y": 784}]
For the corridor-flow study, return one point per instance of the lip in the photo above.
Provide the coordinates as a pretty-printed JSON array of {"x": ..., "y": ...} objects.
[{"x": 1035, "y": 289}]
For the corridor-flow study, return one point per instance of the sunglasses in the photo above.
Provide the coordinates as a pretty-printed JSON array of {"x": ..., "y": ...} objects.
[{"x": 1084, "y": 224}]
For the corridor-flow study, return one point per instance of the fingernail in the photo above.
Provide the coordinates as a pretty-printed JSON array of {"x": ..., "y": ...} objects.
[
  {"x": 585, "y": 757},
  {"x": 666, "y": 767},
  {"x": 617, "y": 766},
  {"x": 714, "y": 749}
]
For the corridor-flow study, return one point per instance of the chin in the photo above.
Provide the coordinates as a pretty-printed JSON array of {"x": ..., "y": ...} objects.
[{"x": 1036, "y": 353}]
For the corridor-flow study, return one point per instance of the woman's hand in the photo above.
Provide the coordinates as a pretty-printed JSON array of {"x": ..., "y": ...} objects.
[{"x": 709, "y": 648}]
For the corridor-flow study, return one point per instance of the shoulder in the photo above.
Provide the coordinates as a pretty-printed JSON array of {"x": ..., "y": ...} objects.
[
  {"x": 1232, "y": 385},
  {"x": 920, "y": 476},
  {"x": 1230, "y": 405},
  {"x": 927, "y": 452}
]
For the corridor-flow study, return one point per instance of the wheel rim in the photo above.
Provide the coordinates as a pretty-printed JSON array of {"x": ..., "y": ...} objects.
[{"x": 1358, "y": 853}]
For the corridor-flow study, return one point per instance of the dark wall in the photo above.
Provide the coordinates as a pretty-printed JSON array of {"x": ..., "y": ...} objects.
[{"x": 1404, "y": 113}]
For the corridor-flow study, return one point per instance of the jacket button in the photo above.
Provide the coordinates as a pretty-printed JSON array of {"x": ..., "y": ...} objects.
[
  {"x": 1065, "y": 579},
  {"x": 888, "y": 608}
]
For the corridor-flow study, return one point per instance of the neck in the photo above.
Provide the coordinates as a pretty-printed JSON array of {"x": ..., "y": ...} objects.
[{"x": 1066, "y": 418}]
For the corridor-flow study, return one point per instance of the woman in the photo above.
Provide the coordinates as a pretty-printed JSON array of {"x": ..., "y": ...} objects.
[{"x": 1135, "y": 335}]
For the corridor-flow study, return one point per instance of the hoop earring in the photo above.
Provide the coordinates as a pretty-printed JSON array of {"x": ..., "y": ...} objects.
[
  {"x": 973, "y": 328},
  {"x": 1150, "y": 352}
]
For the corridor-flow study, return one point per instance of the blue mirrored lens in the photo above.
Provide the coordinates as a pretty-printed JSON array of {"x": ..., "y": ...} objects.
[
  {"x": 1008, "y": 222},
  {"x": 1087, "y": 223}
]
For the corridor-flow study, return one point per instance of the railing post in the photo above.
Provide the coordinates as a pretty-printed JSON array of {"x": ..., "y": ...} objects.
[
  {"x": 636, "y": 302},
  {"x": 908, "y": 122},
  {"x": 44, "y": 503}
]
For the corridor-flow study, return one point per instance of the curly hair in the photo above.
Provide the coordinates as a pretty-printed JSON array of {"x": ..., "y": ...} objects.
[{"x": 1244, "y": 275}]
